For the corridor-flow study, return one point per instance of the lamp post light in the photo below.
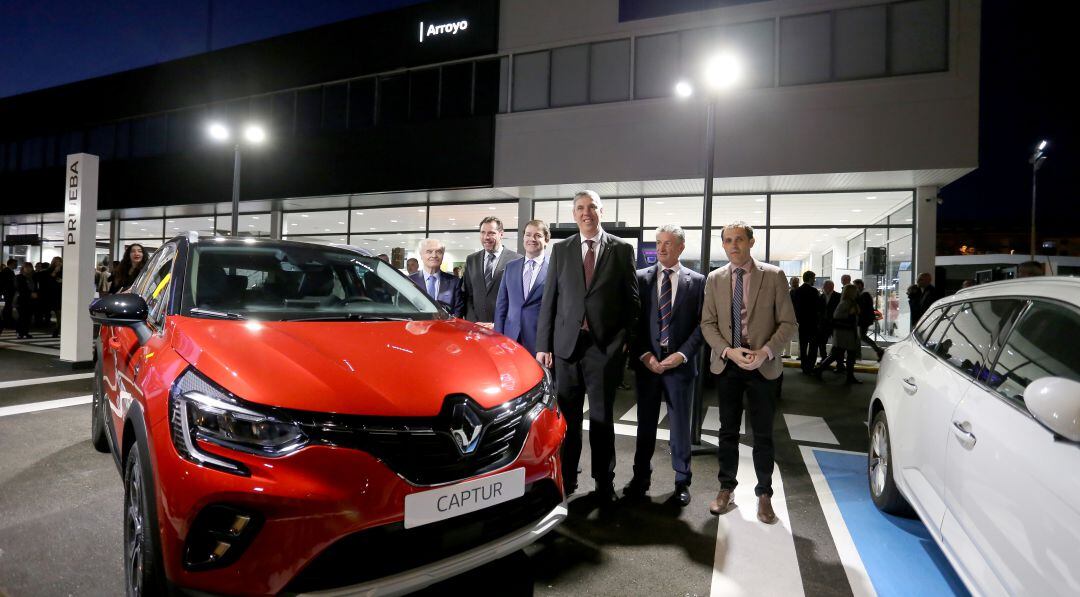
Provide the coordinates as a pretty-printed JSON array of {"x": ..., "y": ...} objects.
[
  {"x": 1036, "y": 160},
  {"x": 253, "y": 135},
  {"x": 722, "y": 72}
]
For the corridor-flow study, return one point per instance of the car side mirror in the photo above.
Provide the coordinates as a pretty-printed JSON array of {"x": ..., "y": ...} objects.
[
  {"x": 123, "y": 310},
  {"x": 1055, "y": 402}
]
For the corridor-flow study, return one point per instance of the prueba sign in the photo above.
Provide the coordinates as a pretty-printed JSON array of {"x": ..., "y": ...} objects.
[
  {"x": 432, "y": 29},
  {"x": 73, "y": 202}
]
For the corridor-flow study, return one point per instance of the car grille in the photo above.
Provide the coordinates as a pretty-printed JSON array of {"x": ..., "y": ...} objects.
[
  {"x": 389, "y": 549},
  {"x": 423, "y": 450}
]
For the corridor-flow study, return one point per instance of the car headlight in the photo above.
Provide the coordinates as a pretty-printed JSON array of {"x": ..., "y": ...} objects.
[
  {"x": 543, "y": 395},
  {"x": 200, "y": 411}
]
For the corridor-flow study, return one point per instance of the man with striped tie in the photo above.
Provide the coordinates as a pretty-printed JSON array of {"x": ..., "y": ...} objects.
[
  {"x": 666, "y": 349},
  {"x": 747, "y": 319}
]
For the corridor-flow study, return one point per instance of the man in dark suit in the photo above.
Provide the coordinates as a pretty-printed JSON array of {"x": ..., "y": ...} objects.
[
  {"x": 805, "y": 300},
  {"x": 521, "y": 291},
  {"x": 666, "y": 347},
  {"x": 920, "y": 296},
  {"x": 588, "y": 318},
  {"x": 830, "y": 299},
  {"x": 7, "y": 292},
  {"x": 484, "y": 271},
  {"x": 747, "y": 319},
  {"x": 867, "y": 317},
  {"x": 439, "y": 285}
]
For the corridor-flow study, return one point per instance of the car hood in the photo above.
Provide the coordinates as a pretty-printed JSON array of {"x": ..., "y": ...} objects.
[{"x": 385, "y": 368}]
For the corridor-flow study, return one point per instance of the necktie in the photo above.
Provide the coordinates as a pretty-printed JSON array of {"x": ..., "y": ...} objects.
[
  {"x": 736, "y": 310},
  {"x": 431, "y": 286},
  {"x": 590, "y": 263},
  {"x": 665, "y": 307},
  {"x": 529, "y": 264},
  {"x": 489, "y": 269}
]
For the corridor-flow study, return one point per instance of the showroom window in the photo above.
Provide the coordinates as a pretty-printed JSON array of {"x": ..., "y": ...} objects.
[
  {"x": 859, "y": 43},
  {"x": 144, "y": 228},
  {"x": 362, "y": 103},
  {"x": 918, "y": 36},
  {"x": 531, "y": 76},
  {"x": 609, "y": 71},
  {"x": 1040, "y": 345},
  {"x": 570, "y": 76},
  {"x": 389, "y": 219},
  {"x": 315, "y": 222},
  {"x": 656, "y": 65},
  {"x": 805, "y": 54},
  {"x": 467, "y": 216}
]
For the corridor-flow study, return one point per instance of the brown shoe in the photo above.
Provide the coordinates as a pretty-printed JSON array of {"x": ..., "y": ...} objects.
[
  {"x": 725, "y": 500},
  {"x": 764, "y": 510}
]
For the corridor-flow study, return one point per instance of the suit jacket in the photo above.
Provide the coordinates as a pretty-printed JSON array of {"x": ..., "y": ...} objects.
[
  {"x": 825, "y": 310},
  {"x": 770, "y": 315},
  {"x": 611, "y": 304},
  {"x": 449, "y": 290},
  {"x": 516, "y": 314},
  {"x": 479, "y": 297},
  {"x": 685, "y": 325},
  {"x": 805, "y": 300}
]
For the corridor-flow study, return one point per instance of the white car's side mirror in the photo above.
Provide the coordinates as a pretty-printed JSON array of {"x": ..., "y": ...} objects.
[{"x": 1055, "y": 402}]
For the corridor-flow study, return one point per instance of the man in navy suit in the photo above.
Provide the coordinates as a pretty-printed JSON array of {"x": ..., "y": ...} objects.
[
  {"x": 439, "y": 285},
  {"x": 666, "y": 348},
  {"x": 517, "y": 308}
]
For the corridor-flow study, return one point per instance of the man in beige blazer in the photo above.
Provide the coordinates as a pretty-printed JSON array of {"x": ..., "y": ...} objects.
[{"x": 747, "y": 319}]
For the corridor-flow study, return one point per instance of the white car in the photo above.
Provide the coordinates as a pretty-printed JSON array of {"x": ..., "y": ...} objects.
[{"x": 975, "y": 423}]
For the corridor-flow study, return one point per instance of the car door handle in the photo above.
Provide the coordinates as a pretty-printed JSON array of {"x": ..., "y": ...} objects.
[
  {"x": 966, "y": 437},
  {"x": 909, "y": 385}
]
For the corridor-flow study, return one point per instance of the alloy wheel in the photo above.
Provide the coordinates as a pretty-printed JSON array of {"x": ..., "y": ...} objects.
[
  {"x": 879, "y": 458},
  {"x": 134, "y": 529}
]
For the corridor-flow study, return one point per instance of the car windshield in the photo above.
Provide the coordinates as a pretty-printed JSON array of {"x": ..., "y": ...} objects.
[{"x": 299, "y": 282}]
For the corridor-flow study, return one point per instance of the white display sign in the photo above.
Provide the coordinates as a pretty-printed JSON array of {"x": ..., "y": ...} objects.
[
  {"x": 454, "y": 500},
  {"x": 80, "y": 238},
  {"x": 433, "y": 30}
]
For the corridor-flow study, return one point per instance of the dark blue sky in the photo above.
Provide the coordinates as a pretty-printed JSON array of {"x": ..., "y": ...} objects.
[{"x": 44, "y": 43}]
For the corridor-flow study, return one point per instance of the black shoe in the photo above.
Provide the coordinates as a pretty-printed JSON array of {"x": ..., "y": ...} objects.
[
  {"x": 605, "y": 494},
  {"x": 682, "y": 495},
  {"x": 635, "y": 490}
]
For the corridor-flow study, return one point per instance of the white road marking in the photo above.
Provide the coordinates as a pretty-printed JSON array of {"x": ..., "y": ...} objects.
[
  {"x": 861, "y": 586},
  {"x": 810, "y": 429},
  {"x": 54, "y": 352},
  {"x": 19, "y": 409},
  {"x": 712, "y": 419},
  {"x": 748, "y": 551},
  {"x": 631, "y": 415},
  {"x": 18, "y": 383},
  {"x": 663, "y": 411}
]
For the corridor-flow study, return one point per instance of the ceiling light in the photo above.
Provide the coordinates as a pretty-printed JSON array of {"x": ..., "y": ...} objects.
[
  {"x": 871, "y": 197},
  {"x": 855, "y": 211}
]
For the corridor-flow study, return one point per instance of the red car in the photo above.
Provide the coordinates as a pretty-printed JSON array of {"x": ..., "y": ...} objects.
[{"x": 295, "y": 417}]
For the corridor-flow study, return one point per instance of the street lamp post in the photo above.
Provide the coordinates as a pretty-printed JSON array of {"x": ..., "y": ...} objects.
[
  {"x": 1036, "y": 160},
  {"x": 254, "y": 135},
  {"x": 722, "y": 72}
]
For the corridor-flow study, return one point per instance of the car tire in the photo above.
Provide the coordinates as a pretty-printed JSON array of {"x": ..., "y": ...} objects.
[
  {"x": 98, "y": 416},
  {"x": 879, "y": 470},
  {"x": 142, "y": 569}
]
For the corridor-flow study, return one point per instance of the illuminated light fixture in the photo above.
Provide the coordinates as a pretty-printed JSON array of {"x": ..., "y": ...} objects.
[
  {"x": 684, "y": 89},
  {"x": 255, "y": 133},
  {"x": 722, "y": 71},
  {"x": 218, "y": 131}
]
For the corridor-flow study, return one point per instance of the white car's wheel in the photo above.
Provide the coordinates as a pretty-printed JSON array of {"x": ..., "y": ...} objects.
[{"x": 879, "y": 470}]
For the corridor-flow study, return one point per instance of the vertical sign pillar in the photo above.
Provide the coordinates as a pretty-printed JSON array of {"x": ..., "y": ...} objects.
[{"x": 80, "y": 221}]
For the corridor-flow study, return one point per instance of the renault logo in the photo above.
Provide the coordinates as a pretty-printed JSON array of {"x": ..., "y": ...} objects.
[{"x": 466, "y": 427}]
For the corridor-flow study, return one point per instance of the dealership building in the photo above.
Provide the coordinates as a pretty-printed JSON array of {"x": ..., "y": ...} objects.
[{"x": 848, "y": 117}]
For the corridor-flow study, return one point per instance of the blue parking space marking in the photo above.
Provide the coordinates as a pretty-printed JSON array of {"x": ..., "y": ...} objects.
[{"x": 899, "y": 554}]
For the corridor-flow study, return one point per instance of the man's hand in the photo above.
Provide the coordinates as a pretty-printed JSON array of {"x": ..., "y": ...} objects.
[
  {"x": 672, "y": 361},
  {"x": 544, "y": 358},
  {"x": 755, "y": 358},
  {"x": 486, "y": 324},
  {"x": 739, "y": 356},
  {"x": 652, "y": 364}
]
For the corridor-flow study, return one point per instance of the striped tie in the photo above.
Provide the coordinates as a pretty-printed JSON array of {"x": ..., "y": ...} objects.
[
  {"x": 736, "y": 310},
  {"x": 665, "y": 307}
]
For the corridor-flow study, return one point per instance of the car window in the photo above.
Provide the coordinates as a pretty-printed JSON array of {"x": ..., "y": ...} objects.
[
  {"x": 155, "y": 290},
  {"x": 139, "y": 285},
  {"x": 966, "y": 342},
  {"x": 1040, "y": 345},
  {"x": 300, "y": 282},
  {"x": 927, "y": 325},
  {"x": 933, "y": 336}
]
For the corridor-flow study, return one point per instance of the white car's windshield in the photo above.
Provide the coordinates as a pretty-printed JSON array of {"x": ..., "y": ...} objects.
[{"x": 299, "y": 282}]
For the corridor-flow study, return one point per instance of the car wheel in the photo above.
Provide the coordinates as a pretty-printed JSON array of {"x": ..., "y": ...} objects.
[
  {"x": 98, "y": 416},
  {"x": 879, "y": 471},
  {"x": 142, "y": 573}
]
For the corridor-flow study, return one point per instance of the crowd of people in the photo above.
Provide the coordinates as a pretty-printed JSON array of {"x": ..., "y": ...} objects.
[{"x": 33, "y": 294}]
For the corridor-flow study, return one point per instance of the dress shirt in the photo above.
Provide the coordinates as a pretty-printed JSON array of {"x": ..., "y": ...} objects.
[
  {"x": 674, "y": 279},
  {"x": 437, "y": 280},
  {"x": 528, "y": 279},
  {"x": 749, "y": 270},
  {"x": 596, "y": 245}
]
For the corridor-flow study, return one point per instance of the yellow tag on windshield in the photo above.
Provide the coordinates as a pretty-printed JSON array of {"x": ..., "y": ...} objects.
[{"x": 161, "y": 285}]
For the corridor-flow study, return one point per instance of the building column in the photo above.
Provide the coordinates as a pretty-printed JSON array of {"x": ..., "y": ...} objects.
[
  {"x": 115, "y": 248},
  {"x": 525, "y": 212},
  {"x": 925, "y": 230},
  {"x": 275, "y": 221}
]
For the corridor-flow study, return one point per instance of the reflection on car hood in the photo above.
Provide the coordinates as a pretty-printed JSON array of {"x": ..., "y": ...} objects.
[{"x": 363, "y": 368}]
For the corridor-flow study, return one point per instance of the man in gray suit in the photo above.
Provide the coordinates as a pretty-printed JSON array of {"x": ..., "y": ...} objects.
[
  {"x": 747, "y": 319},
  {"x": 588, "y": 317},
  {"x": 484, "y": 271}
]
